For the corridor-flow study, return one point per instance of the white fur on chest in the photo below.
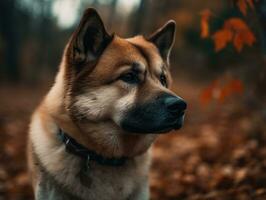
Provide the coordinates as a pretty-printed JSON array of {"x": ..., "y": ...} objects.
[{"x": 105, "y": 182}]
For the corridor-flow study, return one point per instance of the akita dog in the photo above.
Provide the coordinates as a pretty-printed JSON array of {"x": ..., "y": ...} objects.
[{"x": 90, "y": 136}]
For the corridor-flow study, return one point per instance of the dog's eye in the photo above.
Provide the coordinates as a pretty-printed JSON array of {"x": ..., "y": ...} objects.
[
  {"x": 163, "y": 80},
  {"x": 130, "y": 77}
]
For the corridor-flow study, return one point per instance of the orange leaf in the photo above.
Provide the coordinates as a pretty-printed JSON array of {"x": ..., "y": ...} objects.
[
  {"x": 237, "y": 86},
  {"x": 207, "y": 94},
  {"x": 229, "y": 89},
  {"x": 251, "y": 4},
  {"x": 238, "y": 42},
  {"x": 237, "y": 24},
  {"x": 221, "y": 38},
  {"x": 234, "y": 30},
  {"x": 242, "y": 4},
  {"x": 204, "y": 23},
  {"x": 249, "y": 38},
  {"x": 220, "y": 90},
  {"x": 242, "y": 38},
  {"x": 243, "y": 34},
  {"x": 225, "y": 92}
]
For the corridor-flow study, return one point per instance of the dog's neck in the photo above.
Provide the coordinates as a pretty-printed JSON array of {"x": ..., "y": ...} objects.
[
  {"x": 104, "y": 138},
  {"x": 104, "y": 142},
  {"x": 75, "y": 148}
]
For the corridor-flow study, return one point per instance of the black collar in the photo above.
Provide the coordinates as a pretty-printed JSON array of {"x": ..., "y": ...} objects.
[{"x": 72, "y": 146}]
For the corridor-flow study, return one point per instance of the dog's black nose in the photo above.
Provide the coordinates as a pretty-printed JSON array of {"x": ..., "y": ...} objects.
[{"x": 175, "y": 104}]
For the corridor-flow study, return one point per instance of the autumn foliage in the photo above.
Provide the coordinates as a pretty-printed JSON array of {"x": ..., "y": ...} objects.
[
  {"x": 243, "y": 5},
  {"x": 234, "y": 31},
  {"x": 220, "y": 90},
  {"x": 205, "y": 17}
]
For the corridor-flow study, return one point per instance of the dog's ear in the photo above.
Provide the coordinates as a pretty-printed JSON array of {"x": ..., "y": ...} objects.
[
  {"x": 90, "y": 38},
  {"x": 164, "y": 38}
]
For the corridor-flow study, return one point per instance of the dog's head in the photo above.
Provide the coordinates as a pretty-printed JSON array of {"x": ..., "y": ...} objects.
[{"x": 125, "y": 82}]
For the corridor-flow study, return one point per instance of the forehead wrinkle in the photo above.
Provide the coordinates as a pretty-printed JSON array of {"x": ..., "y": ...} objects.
[
  {"x": 120, "y": 52},
  {"x": 146, "y": 56},
  {"x": 130, "y": 53},
  {"x": 147, "y": 50},
  {"x": 143, "y": 53}
]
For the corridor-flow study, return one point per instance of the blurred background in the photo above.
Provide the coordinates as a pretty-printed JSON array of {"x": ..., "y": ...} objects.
[{"x": 218, "y": 65}]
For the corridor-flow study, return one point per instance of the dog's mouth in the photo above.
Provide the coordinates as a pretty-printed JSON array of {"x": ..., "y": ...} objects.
[
  {"x": 177, "y": 124},
  {"x": 152, "y": 126}
]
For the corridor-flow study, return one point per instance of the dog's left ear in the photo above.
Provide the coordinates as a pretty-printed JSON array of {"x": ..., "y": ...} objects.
[
  {"x": 90, "y": 38},
  {"x": 164, "y": 38}
]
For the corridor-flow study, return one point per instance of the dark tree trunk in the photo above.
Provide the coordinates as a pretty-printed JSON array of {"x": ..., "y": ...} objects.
[
  {"x": 261, "y": 11},
  {"x": 139, "y": 17},
  {"x": 261, "y": 80},
  {"x": 111, "y": 17},
  {"x": 10, "y": 36}
]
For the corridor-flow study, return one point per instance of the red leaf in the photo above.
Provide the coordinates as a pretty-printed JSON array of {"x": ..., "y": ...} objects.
[
  {"x": 204, "y": 23},
  {"x": 234, "y": 30},
  {"x": 222, "y": 38},
  {"x": 242, "y": 4}
]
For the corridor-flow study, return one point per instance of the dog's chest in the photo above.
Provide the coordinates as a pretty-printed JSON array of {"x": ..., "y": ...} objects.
[
  {"x": 96, "y": 182},
  {"x": 109, "y": 183}
]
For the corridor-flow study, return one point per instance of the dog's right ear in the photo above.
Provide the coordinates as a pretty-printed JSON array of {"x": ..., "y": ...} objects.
[
  {"x": 164, "y": 39},
  {"x": 89, "y": 40}
]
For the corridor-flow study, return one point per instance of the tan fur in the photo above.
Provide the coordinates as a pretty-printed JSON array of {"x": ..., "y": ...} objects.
[
  {"x": 104, "y": 106},
  {"x": 43, "y": 129}
]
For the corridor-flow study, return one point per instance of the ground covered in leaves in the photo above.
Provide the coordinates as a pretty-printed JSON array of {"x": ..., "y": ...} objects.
[{"x": 219, "y": 154}]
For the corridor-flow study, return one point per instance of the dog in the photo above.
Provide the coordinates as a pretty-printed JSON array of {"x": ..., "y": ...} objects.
[{"x": 89, "y": 138}]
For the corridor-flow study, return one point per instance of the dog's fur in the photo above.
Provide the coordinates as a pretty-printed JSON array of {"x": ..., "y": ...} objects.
[{"x": 89, "y": 100}]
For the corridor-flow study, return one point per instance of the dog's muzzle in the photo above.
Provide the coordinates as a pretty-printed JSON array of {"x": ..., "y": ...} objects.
[{"x": 160, "y": 116}]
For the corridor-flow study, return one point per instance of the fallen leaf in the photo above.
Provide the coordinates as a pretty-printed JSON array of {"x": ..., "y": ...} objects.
[{"x": 204, "y": 22}]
